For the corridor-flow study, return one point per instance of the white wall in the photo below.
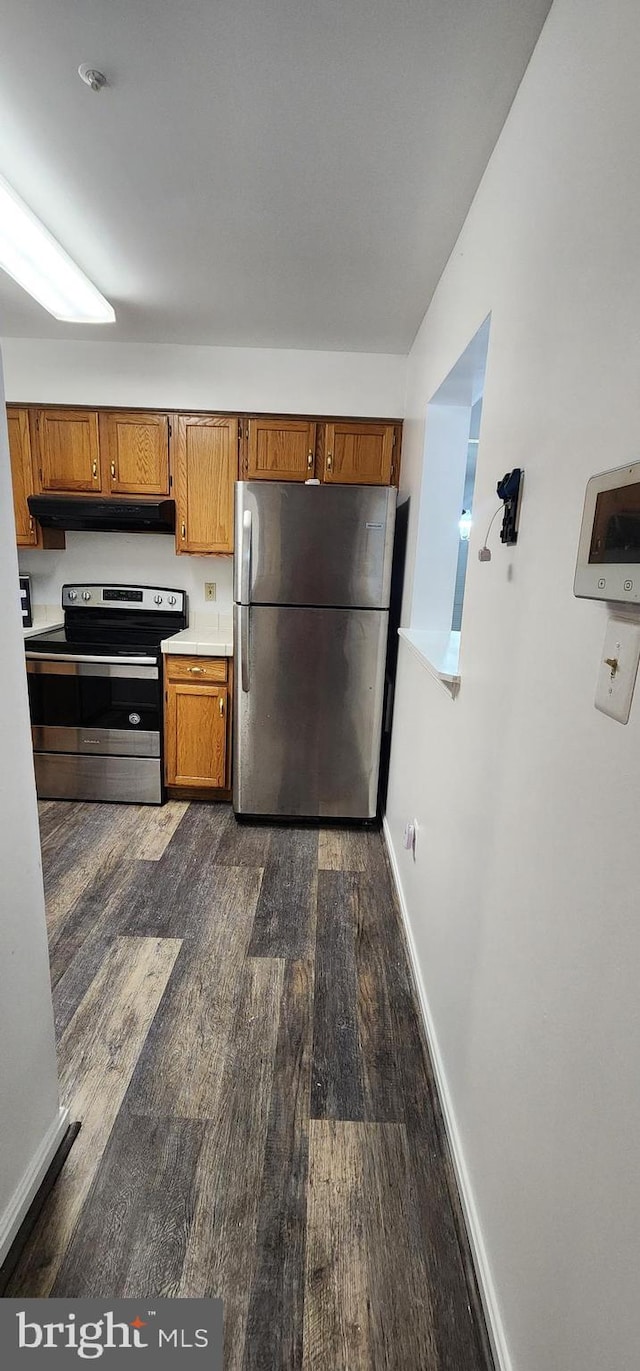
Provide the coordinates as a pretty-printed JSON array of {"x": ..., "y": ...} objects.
[
  {"x": 180, "y": 377},
  {"x": 30, "y": 1119},
  {"x": 142, "y": 558},
  {"x": 523, "y": 900}
]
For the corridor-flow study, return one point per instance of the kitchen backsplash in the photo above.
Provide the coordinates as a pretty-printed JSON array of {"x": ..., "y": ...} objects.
[{"x": 141, "y": 558}]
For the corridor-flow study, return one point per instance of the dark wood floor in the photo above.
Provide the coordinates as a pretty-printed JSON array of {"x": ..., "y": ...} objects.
[{"x": 238, "y": 1035}]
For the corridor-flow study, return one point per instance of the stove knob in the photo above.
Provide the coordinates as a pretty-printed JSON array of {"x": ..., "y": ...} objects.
[
  {"x": 72, "y": 595},
  {"x": 172, "y": 599},
  {"x": 86, "y": 594},
  {"x": 157, "y": 599}
]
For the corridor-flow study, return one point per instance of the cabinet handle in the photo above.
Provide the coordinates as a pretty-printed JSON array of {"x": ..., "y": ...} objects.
[
  {"x": 221, "y": 706},
  {"x": 196, "y": 670},
  {"x": 113, "y": 470},
  {"x": 184, "y": 530},
  {"x": 94, "y": 470},
  {"x": 329, "y": 461},
  {"x": 309, "y": 460},
  {"x": 31, "y": 523}
]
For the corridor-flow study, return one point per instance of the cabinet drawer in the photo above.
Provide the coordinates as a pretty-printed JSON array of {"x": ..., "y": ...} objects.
[{"x": 197, "y": 668}]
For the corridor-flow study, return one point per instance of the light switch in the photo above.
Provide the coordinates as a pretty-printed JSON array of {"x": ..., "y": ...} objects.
[{"x": 618, "y": 668}]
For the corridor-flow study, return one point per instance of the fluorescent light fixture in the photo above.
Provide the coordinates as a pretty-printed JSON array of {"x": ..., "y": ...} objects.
[{"x": 32, "y": 257}]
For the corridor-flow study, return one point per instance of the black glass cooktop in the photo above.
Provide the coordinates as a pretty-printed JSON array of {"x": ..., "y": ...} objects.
[{"x": 124, "y": 643}]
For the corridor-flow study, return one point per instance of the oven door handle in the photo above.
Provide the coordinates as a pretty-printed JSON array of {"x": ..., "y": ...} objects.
[
  {"x": 42, "y": 666},
  {"x": 77, "y": 657}
]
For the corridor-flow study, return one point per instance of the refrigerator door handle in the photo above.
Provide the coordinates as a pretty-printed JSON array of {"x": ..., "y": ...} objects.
[
  {"x": 245, "y": 573},
  {"x": 243, "y": 611}
]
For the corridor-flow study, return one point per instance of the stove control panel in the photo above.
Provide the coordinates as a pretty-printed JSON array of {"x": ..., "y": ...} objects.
[{"x": 156, "y": 599}]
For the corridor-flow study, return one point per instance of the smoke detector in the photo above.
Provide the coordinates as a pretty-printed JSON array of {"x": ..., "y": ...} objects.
[{"x": 92, "y": 78}]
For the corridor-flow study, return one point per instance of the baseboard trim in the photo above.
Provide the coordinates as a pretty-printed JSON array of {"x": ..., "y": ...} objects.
[
  {"x": 486, "y": 1287},
  {"x": 28, "y": 1187}
]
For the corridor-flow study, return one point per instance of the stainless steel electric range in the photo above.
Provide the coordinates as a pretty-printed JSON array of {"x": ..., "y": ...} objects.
[{"x": 95, "y": 693}]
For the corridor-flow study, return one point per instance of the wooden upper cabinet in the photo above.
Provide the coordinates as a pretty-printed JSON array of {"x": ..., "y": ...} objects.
[
  {"x": 357, "y": 453},
  {"x": 280, "y": 449},
  {"x": 69, "y": 450},
  {"x": 135, "y": 453},
  {"x": 22, "y": 476},
  {"x": 205, "y": 467}
]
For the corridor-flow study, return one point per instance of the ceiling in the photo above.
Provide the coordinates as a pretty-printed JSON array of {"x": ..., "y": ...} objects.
[{"x": 260, "y": 173}]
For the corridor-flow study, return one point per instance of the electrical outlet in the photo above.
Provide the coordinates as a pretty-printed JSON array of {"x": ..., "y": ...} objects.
[{"x": 209, "y": 590}]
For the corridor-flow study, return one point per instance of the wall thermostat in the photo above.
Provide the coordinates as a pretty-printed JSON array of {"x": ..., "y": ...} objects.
[{"x": 608, "y": 565}]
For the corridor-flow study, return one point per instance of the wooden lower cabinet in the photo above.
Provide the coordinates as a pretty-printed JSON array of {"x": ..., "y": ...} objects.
[{"x": 197, "y": 724}]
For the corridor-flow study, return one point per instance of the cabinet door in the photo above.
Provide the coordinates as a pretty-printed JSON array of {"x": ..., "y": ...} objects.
[
  {"x": 196, "y": 737},
  {"x": 135, "y": 453},
  {"x": 205, "y": 467},
  {"x": 22, "y": 476},
  {"x": 69, "y": 450},
  {"x": 358, "y": 453},
  {"x": 280, "y": 449}
]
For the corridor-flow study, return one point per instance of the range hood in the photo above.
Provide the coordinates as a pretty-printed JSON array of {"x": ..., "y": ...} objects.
[{"x": 140, "y": 514}]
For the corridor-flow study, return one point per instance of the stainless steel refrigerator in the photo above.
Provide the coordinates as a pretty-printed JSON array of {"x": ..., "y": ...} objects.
[{"x": 312, "y": 578}]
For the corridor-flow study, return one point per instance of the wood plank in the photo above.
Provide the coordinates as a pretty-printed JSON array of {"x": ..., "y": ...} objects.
[
  {"x": 436, "y": 1223},
  {"x": 275, "y": 1318},
  {"x": 201, "y": 829},
  {"x": 220, "y": 1253},
  {"x": 342, "y": 849},
  {"x": 64, "y": 889},
  {"x": 132, "y": 1234},
  {"x": 91, "y": 835},
  {"x": 286, "y": 914},
  {"x": 180, "y": 1069},
  {"x": 245, "y": 844},
  {"x": 97, "y": 1056},
  {"x": 336, "y": 1076},
  {"x": 366, "y": 1299},
  {"x": 58, "y": 819},
  {"x": 76, "y": 853},
  {"x": 150, "y": 828},
  {"x": 381, "y": 969},
  {"x": 98, "y": 917},
  {"x": 176, "y": 898},
  {"x": 398, "y": 1081}
]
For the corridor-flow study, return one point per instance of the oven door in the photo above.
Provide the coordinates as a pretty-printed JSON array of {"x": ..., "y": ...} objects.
[{"x": 106, "y": 706}]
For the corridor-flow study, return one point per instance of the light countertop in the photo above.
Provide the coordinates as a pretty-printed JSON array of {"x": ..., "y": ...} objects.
[
  {"x": 45, "y": 617},
  {"x": 206, "y": 636}
]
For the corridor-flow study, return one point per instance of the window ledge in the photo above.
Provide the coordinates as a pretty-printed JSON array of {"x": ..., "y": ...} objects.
[{"x": 439, "y": 654}]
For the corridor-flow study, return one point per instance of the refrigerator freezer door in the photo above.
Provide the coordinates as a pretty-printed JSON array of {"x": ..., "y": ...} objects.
[
  {"x": 313, "y": 545},
  {"x": 308, "y": 711}
]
